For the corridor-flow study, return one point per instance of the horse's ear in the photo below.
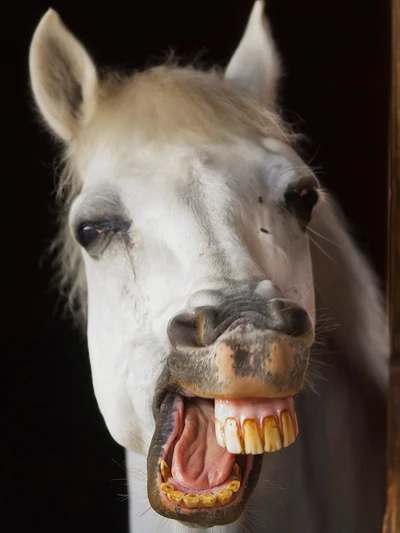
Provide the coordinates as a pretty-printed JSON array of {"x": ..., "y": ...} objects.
[
  {"x": 255, "y": 67},
  {"x": 63, "y": 77}
]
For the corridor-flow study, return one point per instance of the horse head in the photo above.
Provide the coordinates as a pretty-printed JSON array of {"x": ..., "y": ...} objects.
[{"x": 187, "y": 241}]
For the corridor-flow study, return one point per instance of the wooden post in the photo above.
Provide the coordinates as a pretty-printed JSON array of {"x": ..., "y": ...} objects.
[{"x": 391, "y": 522}]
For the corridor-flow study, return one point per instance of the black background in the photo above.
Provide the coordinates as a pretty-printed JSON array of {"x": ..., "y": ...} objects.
[{"x": 60, "y": 470}]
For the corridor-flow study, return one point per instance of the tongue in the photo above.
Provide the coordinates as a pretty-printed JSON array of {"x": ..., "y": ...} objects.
[{"x": 198, "y": 461}]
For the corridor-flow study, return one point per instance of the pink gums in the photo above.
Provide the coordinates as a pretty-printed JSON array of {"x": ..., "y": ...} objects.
[{"x": 253, "y": 408}]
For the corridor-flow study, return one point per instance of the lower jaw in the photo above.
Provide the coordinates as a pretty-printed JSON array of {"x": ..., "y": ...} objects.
[{"x": 219, "y": 514}]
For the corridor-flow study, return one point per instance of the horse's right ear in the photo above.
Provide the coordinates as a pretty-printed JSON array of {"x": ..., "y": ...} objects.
[{"x": 63, "y": 77}]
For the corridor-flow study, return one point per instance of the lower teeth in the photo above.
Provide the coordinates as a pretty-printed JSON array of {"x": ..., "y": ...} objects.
[{"x": 207, "y": 499}]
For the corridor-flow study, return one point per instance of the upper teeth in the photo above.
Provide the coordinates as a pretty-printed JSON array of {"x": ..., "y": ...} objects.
[{"x": 254, "y": 437}]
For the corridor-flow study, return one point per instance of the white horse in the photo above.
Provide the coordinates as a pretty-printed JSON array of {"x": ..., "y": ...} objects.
[{"x": 193, "y": 239}]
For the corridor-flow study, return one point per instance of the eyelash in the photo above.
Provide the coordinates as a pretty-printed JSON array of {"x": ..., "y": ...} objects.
[{"x": 91, "y": 234}]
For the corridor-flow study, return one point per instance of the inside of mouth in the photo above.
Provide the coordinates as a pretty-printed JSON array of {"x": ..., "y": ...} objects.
[
  {"x": 198, "y": 462},
  {"x": 201, "y": 466}
]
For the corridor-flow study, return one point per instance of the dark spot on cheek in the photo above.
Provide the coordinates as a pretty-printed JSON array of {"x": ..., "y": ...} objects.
[
  {"x": 260, "y": 199},
  {"x": 264, "y": 230}
]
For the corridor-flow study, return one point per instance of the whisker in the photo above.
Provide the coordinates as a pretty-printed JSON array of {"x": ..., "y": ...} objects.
[
  {"x": 144, "y": 512},
  {"x": 322, "y": 237},
  {"x": 322, "y": 250}
]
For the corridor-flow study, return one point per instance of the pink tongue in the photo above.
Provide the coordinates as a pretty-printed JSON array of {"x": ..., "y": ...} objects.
[{"x": 198, "y": 461}]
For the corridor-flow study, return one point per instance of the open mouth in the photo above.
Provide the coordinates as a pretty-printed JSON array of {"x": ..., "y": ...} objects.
[{"x": 206, "y": 454}]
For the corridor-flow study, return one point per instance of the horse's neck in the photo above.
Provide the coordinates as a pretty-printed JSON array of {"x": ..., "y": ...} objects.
[{"x": 332, "y": 480}]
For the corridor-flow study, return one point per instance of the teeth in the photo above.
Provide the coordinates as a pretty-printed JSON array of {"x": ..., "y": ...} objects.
[
  {"x": 208, "y": 499},
  {"x": 219, "y": 434},
  {"x": 287, "y": 428},
  {"x": 295, "y": 425},
  {"x": 272, "y": 437},
  {"x": 237, "y": 470},
  {"x": 165, "y": 470},
  {"x": 233, "y": 444},
  {"x": 175, "y": 496},
  {"x": 191, "y": 500},
  {"x": 234, "y": 486},
  {"x": 256, "y": 441},
  {"x": 166, "y": 487},
  {"x": 252, "y": 440},
  {"x": 224, "y": 496}
]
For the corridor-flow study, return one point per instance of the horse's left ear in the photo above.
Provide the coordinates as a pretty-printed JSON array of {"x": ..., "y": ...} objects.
[{"x": 255, "y": 67}]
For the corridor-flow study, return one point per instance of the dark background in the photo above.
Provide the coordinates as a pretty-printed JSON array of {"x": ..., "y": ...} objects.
[{"x": 60, "y": 470}]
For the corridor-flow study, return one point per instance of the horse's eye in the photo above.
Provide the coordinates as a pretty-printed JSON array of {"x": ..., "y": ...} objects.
[
  {"x": 301, "y": 202},
  {"x": 97, "y": 236},
  {"x": 88, "y": 234}
]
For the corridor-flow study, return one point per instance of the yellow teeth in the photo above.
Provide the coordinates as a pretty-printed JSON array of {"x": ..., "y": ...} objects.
[
  {"x": 234, "y": 486},
  {"x": 272, "y": 437},
  {"x": 224, "y": 496},
  {"x": 232, "y": 440},
  {"x": 287, "y": 428},
  {"x": 208, "y": 499},
  {"x": 175, "y": 496},
  {"x": 166, "y": 487},
  {"x": 165, "y": 470},
  {"x": 237, "y": 470},
  {"x": 191, "y": 500},
  {"x": 218, "y": 433},
  {"x": 252, "y": 440}
]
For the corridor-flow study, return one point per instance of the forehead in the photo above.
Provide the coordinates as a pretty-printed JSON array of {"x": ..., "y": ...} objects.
[
  {"x": 238, "y": 164},
  {"x": 169, "y": 105}
]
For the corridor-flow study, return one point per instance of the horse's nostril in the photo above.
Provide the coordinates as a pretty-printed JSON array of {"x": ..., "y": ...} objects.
[
  {"x": 182, "y": 330},
  {"x": 193, "y": 329},
  {"x": 288, "y": 317}
]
